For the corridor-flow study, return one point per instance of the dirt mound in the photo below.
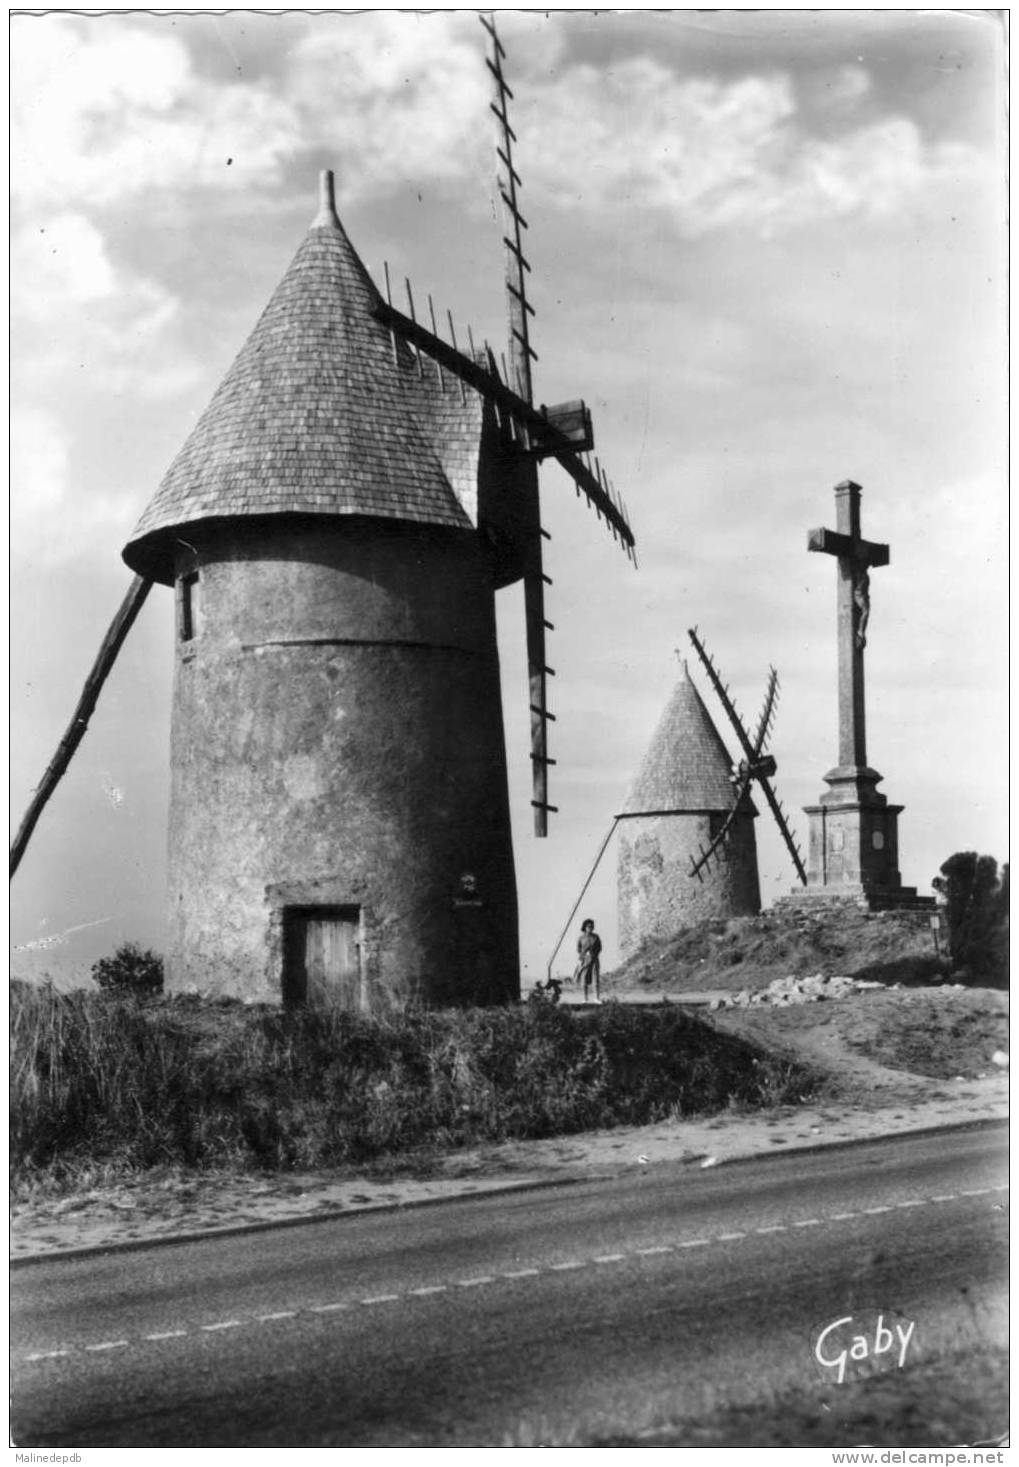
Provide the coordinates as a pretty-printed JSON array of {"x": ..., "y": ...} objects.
[
  {"x": 864, "y": 998},
  {"x": 751, "y": 952},
  {"x": 884, "y": 1039}
]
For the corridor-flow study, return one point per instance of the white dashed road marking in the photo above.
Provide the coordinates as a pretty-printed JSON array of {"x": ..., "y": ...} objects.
[{"x": 482, "y": 1280}]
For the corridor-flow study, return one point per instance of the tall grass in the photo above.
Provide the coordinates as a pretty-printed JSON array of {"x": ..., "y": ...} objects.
[{"x": 98, "y": 1080}]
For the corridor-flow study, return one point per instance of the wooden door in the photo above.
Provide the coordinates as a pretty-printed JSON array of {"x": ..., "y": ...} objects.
[{"x": 323, "y": 957}]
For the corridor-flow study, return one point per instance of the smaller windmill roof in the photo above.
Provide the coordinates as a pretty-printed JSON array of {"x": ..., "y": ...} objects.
[{"x": 687, "y": 766}]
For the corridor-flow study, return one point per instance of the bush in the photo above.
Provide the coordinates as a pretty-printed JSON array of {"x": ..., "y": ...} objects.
[
  {"x": 100, "y": 1080},
  {"x": 129, "y": 970},
  {"x": 976, "y": 908}
]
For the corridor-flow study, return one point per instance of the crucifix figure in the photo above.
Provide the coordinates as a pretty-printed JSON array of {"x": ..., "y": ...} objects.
[{"x": 856, "y": 557}]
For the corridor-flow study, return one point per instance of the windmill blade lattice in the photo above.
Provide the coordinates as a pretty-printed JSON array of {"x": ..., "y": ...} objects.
[
  {"x": 718, "y": 846},
  {"x": 562, "y": 433},
  {"x": 755, "y": 767}
]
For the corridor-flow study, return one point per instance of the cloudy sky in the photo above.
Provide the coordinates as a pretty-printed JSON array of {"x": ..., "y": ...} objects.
[{"x": 768, "y": 251}]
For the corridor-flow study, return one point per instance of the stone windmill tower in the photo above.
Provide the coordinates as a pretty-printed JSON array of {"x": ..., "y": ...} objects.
[
  {"x": 335, "y": 529},
  {"x": 677, "y": 806},
  {"x": 338, "y": 767},
  {"x": 687, "y": 851}
]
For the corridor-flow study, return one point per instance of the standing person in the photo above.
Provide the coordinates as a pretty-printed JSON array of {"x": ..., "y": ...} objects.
[{"x": 588, "y": 966}]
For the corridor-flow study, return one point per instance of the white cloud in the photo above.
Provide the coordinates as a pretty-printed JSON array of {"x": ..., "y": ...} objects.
[
  {"x": 51, "y": 520},
  {"x": 103, "y": 110},
  {"x": 72, "y": 309},
  {"x": 838, "y": 88},
  {"x": 63, "y": 260},
  {"x": 400, "y": 97},
  {"x": 106, "y": 109},
  {"x": 734, "y": 155}
]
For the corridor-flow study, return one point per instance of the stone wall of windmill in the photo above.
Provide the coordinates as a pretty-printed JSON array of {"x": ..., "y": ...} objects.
[
  {"x": 678, "y": 802},
  {"x": 339, "y": 820}
]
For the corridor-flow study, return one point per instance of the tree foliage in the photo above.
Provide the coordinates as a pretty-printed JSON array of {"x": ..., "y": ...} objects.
[
  {"x": 130, "y": 969},
  {"x": 976, "y": 909}
]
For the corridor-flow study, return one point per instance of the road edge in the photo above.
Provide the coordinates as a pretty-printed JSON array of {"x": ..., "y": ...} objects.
[{"x": 477, "y": 1190}]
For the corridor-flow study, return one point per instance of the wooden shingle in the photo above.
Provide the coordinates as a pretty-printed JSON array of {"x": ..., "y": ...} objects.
[
  {"x": 316, "y": 417},
  {"x": 687, "y": 766}
]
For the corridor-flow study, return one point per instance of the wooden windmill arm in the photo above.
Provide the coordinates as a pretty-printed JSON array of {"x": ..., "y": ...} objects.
[
  {"x": 787, "y": 835},
  {"x": 107, "y": 655},
  {"x": 723, "y": 697},
  {"x": 547, "y": 439},
  {"x": 740, "y": 792},
  {"x": 764, "y": 722}
]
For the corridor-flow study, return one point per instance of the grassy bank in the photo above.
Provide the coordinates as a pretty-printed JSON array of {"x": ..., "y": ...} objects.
[{"x": 126, "y": 1085}]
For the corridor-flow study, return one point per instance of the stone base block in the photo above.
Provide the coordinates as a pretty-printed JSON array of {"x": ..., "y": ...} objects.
[
  {"x": 853, "y": 837},
  {"x": 807, "y": 900}
]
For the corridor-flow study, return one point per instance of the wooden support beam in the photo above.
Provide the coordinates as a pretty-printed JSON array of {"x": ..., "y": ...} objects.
[
  {"x": 107, "y": 656},
  {"x": 435, "y": 332},
  {"x": 452, "y": 337},
  {"x": 389, "y": 298},
  {"x": 410, "y": 302}
]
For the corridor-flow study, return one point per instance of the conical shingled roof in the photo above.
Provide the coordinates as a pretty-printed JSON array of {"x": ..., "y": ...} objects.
[
  {"x": 316, "y": 417},
  {"x": 687, "y": 766}
]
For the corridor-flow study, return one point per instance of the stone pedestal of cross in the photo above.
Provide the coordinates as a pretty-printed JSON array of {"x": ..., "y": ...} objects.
[{"x": 853, "y": 830}]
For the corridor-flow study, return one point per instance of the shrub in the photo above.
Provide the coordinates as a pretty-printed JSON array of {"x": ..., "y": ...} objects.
[
  {"x": 976, "y": 908},
  {"x": 129, "y": 970}
]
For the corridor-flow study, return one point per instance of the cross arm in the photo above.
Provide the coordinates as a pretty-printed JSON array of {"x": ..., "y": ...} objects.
[{"x": 863, "y": 552}]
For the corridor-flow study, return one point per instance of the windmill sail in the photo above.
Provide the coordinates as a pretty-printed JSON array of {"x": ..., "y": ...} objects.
[
  {"x": 521, "y": 354},
  {"x": 561, "y": 432},
  {"x": 756, "y": 766}
]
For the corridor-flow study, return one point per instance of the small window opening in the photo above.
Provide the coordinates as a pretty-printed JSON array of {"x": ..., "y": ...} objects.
[{"x": 189, "y": 606}]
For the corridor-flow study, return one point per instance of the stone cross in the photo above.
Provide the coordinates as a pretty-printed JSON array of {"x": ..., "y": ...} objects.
[{"x": 855, "y": 558}]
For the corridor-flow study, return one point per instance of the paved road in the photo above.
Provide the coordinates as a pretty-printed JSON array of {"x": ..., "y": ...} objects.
[{"x": 497, "y": 1321}]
